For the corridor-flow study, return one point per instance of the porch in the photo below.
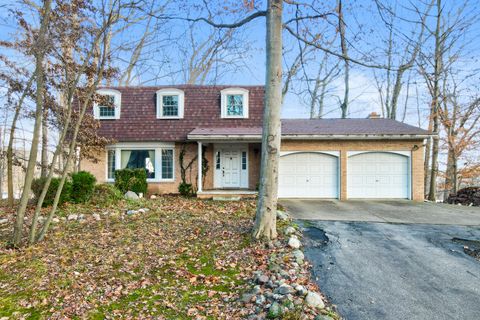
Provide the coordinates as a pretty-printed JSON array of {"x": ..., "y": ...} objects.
[{"x": 233, "y": 162}]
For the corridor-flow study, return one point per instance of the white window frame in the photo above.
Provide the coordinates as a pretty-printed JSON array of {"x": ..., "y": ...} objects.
[
  {"x": 170, "y": 92},
  {"x": 158, "y": 147},
  {"x": 234, "y": 91},
  {"x": 117, "y": 104}
]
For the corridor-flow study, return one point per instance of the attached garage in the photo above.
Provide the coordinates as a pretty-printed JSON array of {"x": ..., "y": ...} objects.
[
  {"x": 308, "y": 175},
  {"x": 378, "y": 175}
]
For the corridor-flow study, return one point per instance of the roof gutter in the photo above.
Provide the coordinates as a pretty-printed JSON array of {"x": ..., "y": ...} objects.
[{"x": 355, "y": 136}]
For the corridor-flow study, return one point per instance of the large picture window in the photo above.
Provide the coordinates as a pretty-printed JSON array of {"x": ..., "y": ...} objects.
[{"x": 133, "y": 159}]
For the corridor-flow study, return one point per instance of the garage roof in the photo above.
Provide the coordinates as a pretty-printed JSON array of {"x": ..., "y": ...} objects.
[{"x": 349, "y": 127}]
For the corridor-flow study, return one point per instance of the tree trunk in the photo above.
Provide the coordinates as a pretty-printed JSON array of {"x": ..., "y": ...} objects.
[
  {"x": 432, "y": 196},
  {"x": 451, "y": 173},
  {"x": 39, "y": 60},
  {"x": 266, "y": 215},
  {"x": 44, "y": 158},
  {"x": 343, "y": 44}
]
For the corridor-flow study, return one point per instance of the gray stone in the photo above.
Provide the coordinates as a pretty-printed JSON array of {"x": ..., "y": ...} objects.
[
  {"x": 301, "y": 290},
  {"x": 96, "y": 216},
  {"x": 282, "y": 215},
  {"x": 260, "y": 300},
  {"x": 284, "y": 289},
  {"x": 284, "y": 274},
  {"x": 314, "y": 300},
  {"x": 55, "y": 220},
  {"x": 132, "y": 212},
  {"x": 290, "y": 230},
  {"x": 246, "y": 297},
  {"x": 256, "y": 289},
  {"x": 275, "y": 310},
  {"x": 3, "y": 221},
  {"x": 130, "y": 195},
  {"x": 299, "y": 256},
  {"x": 72, "y": 217},
  {"x": 262, "y": 279},
  {"x": 270, "y": 285},
  {"x": 294, "y": 243}
]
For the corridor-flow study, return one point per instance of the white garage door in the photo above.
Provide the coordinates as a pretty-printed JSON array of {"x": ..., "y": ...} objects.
[
  {"x": 378, "y": 175},
  {"x": 308, "y": 175}
]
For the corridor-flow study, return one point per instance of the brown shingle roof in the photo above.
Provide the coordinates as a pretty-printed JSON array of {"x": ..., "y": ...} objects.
[{"x": 348, "y": 127}]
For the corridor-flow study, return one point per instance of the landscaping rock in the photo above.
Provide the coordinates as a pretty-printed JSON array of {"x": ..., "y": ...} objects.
[
  {"x": 314, "y": 300},
  {"x": 294, "y": 243},
  {"x": 55, "y": 220},
  {"x": 301, "y": 290},
  {"x": 299, "y": 256},
  {"x": 3, "y": 221},
  {"x": 275, "y": 310},
  {"x": 290, "y": 230},
  {"x": 262, "y": 279},
  {"x": 132, "y": 212},
  {"x": 153, "y": 196},
  {"x": 260, "y": 300},
  {"x": 284, "y": 289},
  {"x": 282, "y": 215},
  {"x": 246, "y": 297},
  {"x": 96, "y": 216},
  {"x": 72, "y": 217},
  {"x": 130, "y": 195}
]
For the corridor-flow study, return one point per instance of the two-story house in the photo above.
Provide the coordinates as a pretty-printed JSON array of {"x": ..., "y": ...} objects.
[{"x": 221, "y": 127}]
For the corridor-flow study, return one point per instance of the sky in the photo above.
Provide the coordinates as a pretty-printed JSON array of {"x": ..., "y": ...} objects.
[{"x": 366, "y": 35}]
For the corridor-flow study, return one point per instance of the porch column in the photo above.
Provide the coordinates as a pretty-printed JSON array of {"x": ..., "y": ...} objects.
[{"x": 199, "y": 158}]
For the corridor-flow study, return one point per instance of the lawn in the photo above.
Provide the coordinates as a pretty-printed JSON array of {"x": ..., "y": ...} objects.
[{"x": 183, "y": 258}]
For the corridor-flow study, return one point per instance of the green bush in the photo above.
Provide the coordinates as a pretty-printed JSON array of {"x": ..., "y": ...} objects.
[
  {"x": 131, "y": 180},
  {"x": 37, "y": 187},
  {"x": 83, "y": 184},
  {"x": 185, "y": 189},
  {"x": 105, "y": 195}
]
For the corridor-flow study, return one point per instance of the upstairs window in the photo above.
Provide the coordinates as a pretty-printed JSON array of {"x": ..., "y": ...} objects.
[
  {"x": 234, "y": 103},
  {"x": 109, "y": 105},
  {"x": 170, "y": 104}
]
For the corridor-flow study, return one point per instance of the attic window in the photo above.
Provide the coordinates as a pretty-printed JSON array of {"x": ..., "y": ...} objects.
[
  {"x": 109, "y": 105},
  {"x": 170, "y": 104},
  {"x": 234, "y": 103}
]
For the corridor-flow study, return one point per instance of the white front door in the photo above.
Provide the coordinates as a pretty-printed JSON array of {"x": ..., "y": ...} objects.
[{"x": 230, "y": 163}]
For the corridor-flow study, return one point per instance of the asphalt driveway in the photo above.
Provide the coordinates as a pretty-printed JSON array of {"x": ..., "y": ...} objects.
[{"x": 375, "y": 269}]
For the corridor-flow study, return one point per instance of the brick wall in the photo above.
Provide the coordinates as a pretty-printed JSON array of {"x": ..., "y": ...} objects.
[{"x": 98, "y": 169}]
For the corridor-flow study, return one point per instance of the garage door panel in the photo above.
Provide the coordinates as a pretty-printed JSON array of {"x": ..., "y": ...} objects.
[
  {"x": 315, "y": 175},
  {"x": 378, "y": 175}
]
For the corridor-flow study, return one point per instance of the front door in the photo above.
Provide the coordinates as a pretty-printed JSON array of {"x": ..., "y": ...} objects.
[{"x": 230, "y": 168}]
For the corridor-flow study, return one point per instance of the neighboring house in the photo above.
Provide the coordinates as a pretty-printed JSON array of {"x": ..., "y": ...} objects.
[{"x": 320, "y": 158}]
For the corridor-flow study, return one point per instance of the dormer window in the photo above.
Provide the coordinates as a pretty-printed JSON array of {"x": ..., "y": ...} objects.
[
  {"x": 234, "y": 103},
  {"x": 109, "y": 105},
  {"x": 170, "y": 104}
]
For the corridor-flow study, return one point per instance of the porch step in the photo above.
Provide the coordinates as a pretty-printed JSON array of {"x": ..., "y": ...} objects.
[{"x": 226, "y": 198}]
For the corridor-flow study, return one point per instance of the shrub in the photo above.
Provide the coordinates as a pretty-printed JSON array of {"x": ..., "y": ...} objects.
[
  {"x": 83, "y": 184},
  {"x": 131, "y": 180},
  {"x": 37, "y": 187},
  {"x": 185, "y": 189},
  {"x": 105, "y": 195}
]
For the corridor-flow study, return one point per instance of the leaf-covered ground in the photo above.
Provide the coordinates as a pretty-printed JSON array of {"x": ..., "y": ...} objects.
[{"x": 185, "y": 258}]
